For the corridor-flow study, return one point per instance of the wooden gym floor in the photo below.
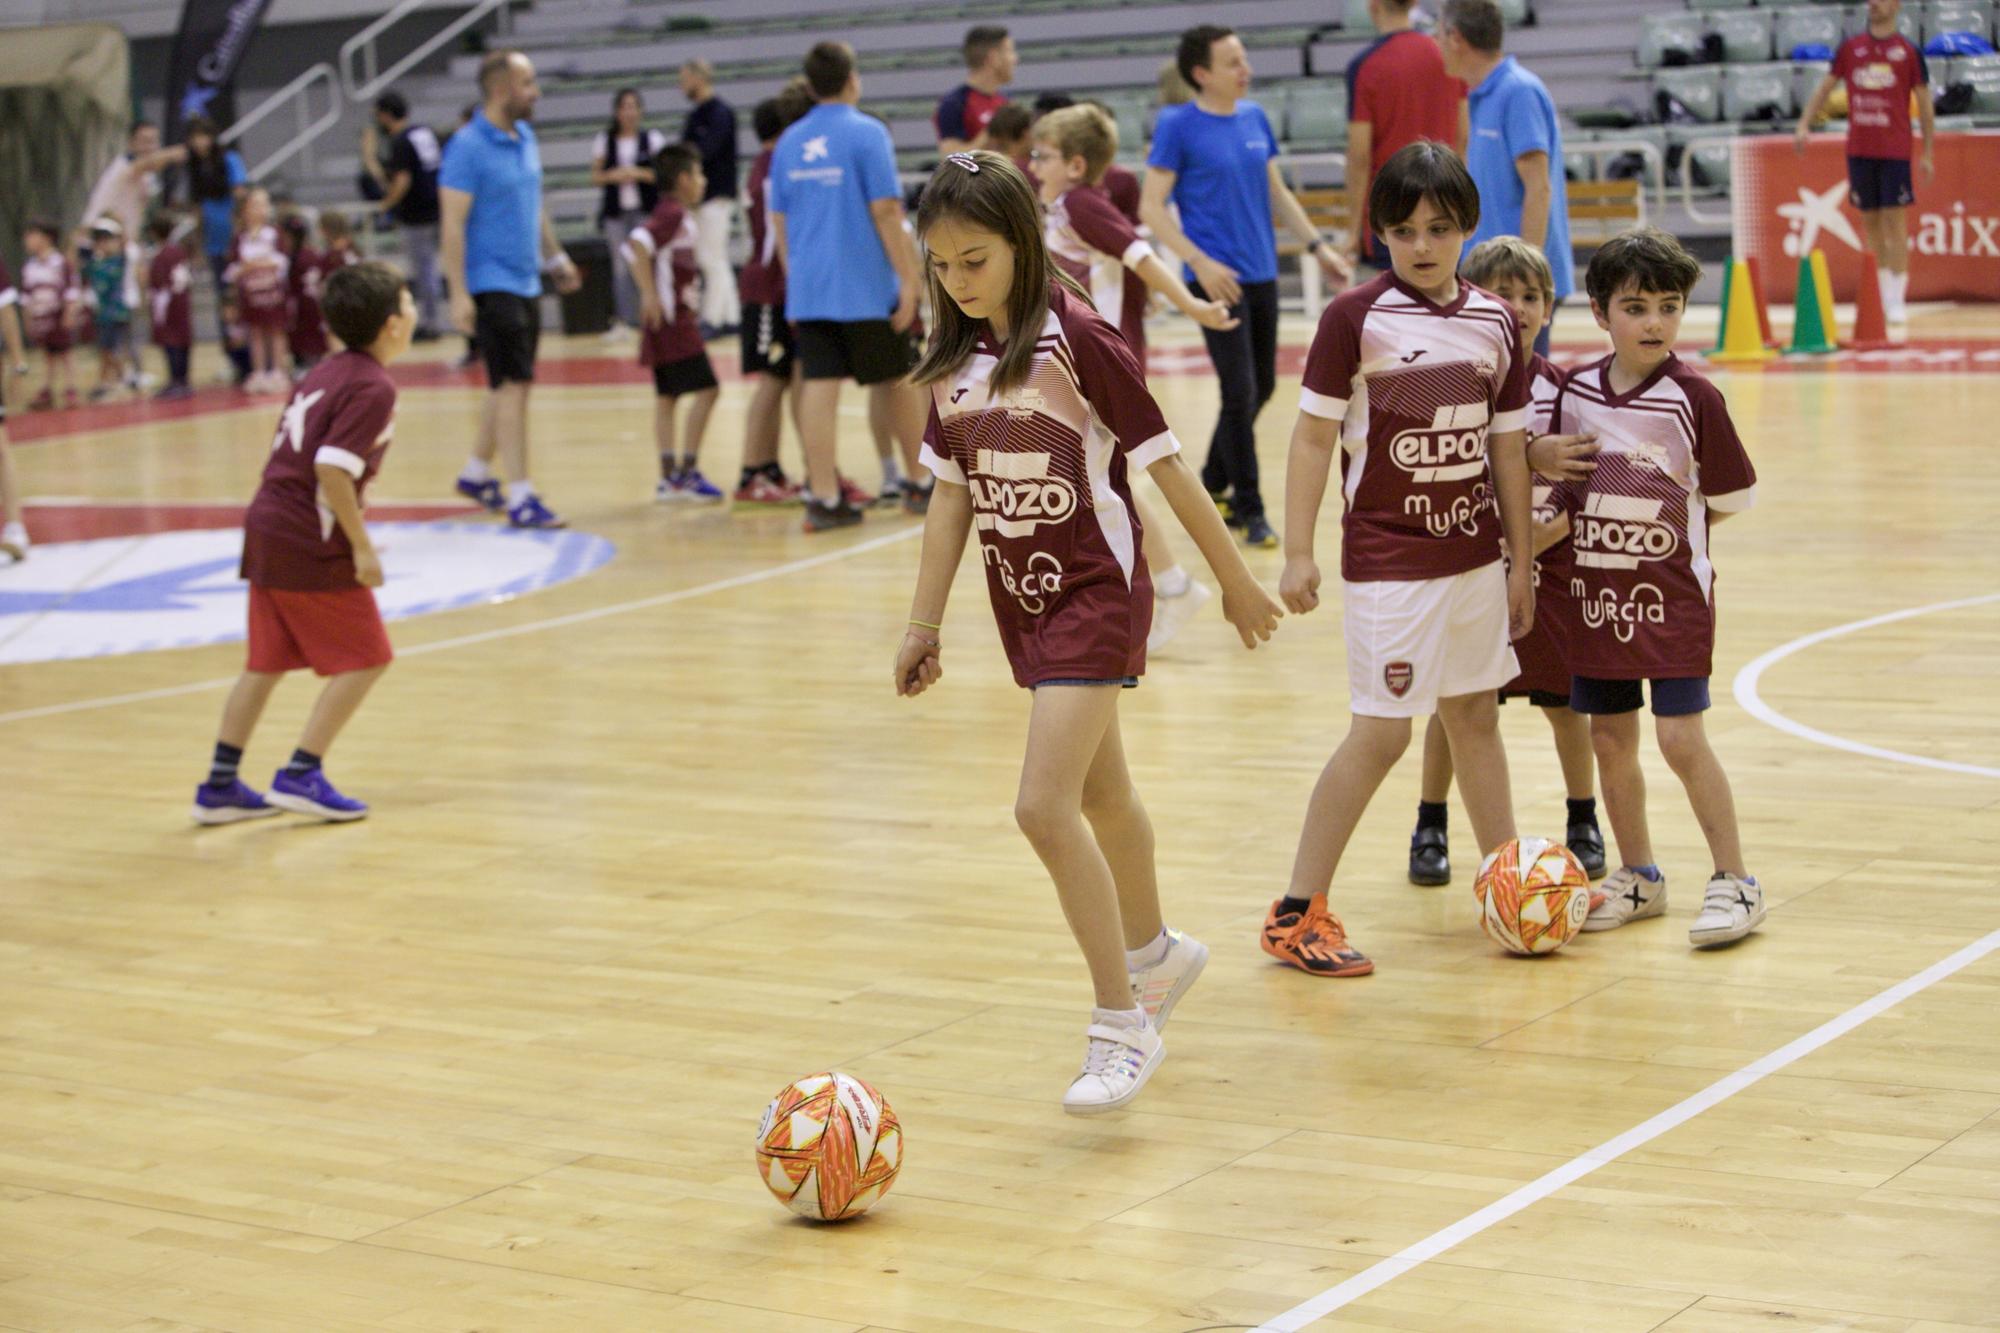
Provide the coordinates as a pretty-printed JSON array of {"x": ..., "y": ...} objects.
[{"x": 651, "y": 843}]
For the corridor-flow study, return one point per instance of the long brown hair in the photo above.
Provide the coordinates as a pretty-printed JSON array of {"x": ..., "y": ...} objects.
[{"x": 986, "y": 191}]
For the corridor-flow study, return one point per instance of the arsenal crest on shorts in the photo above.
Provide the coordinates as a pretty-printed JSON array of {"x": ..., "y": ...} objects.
[{"x": 1397, "y": 676}]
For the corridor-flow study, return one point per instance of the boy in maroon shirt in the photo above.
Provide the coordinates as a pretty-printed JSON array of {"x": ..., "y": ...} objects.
[
  {"x": 307, "y": 555},
  {"x": 305, "y": 328},
  {"x": 168, "y": 284},
  {"x": 767, "y": 351},
  {"x": 662, "y": 256}
]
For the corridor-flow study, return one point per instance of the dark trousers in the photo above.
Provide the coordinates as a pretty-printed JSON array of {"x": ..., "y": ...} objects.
[
  {"x": 239, "y": 353},
  {"x": 1246, "y": 366},
  {"x": 177, "y": 365}
]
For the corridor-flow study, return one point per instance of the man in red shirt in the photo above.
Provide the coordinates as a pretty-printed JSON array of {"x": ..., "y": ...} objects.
[
  {"x": 1883, "y": 71},
  {"x": 962, "y": 113},
  {"x": 1397, "y": 93}
]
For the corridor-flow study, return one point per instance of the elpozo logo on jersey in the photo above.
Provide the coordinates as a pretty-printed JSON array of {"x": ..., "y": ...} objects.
[
  {"x": 1453, "y": 448},
  {"x": 1622, "y": 531},
  {"x": 1014, "y": 493}
]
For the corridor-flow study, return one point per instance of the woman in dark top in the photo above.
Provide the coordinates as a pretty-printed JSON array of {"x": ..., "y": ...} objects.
[
  {"x": 215, "y": 178},
  {"x": 621, "y": 163}
]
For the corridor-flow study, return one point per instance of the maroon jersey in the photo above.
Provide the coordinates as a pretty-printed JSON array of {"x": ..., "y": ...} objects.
[
  {"x": 1642, "y": 580},
  {"x": 763, "y": 278},
  {"x": 1417, "y": 388},
  {"x": 1048, "y": 466},
  {"x": 341, "y": 414},
  {"x": 1123, "y": 188},
  {"x": 257, "y": 269},
  {"x": 10, "y": 295},
  {"x": 1881, "y": 73},
  {"x": 169, "y": 284},
  {"x": 336, "y": 257},
  {"x": 307, "y": 330},
  {"x": 1100, "y": 248},
  {"x": 667, "y": 243},
  {"x": 48, "y": 289},
  {"x": 1544, "y": 654}
]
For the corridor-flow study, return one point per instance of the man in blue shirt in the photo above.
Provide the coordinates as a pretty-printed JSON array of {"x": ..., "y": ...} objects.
[
  {"x": 851, "y": 276},
  {"x": 1216, "y": 159},
  {"x": 496, "y": 241},
  {"x": 1515, "y": 154}
]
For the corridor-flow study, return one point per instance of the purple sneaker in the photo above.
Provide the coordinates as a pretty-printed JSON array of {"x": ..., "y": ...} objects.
[
  {"x": 532, "y": 513},
  {"x": 311, "y": 794},
  {"x": 229, "y": 805},
  {"x": 485, "y": 494}
]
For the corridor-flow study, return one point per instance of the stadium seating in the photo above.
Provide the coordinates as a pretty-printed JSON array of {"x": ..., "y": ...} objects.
[
  {"x": 1794, "y": 28},
  {"x": 1698, "y": 88},
  {"x": 1745, "y": 34},
  {"x": 1661, "y": 33},
  {"x": 1758, "y": 92}
]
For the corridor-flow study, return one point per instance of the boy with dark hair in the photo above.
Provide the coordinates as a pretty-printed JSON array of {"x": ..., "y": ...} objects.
[
  {"x": 311, "y": 566},
  {"x": 962, "y": 115},
  {"x": 169, "y": 282},
  {"x": 1422, "y": 383},
  {"x": 305, "y": 277},
  {"x": 767, "y": 351},
  {"x": 1669, "y": 467},
  {"x": 107, "y": 277},
  {"x": 662, "y": 256},
  {"x": 1007, "y": 135}
]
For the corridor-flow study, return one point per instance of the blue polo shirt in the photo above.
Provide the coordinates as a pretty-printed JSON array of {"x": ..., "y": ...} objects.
[
  {"x": 825, "y": 172},
  {"x": 1512, "y": 113},
  {"x": 503, "y": 232},
  {"x": 1222, "y": 183}
]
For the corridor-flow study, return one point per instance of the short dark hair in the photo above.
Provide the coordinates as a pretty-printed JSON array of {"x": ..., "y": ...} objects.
[
  {"x": 1646, "y": 258},
  {"x": 981, "y": 42},
  {"x": 673, "y": 162},
  {"x": 829, "y": 66},
  {"x": 140, "y": 124},
  {"x": 1009, "y": 123},
  {"x": 394, "y": 105},
  {"x": 45, "y": 226},
  {"x": 1048, "y": 102},
  {"x": 359, "y": 299},
  {"x": 768, "y": 119},
  {"x": 1197, "y": 48},
  {"x": 493, "y": 66},
  {"x": 1423, "y": 170},
  {"x": 160, "y": 226},
  {"x": 1478, "y": 21}
]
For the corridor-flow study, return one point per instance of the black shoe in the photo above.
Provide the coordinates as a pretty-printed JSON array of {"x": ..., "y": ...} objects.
[
  {"x": 1257, "y": 532},
  {"x": 1430, "y": 858},
  {"x": 824, "y": 517},
  {"x": 916, "y": 499},
  {"x": 1586, "y": 844}
]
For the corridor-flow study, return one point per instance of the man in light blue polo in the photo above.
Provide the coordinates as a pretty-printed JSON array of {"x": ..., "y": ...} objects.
[
  {"x": 496, "y": 241},
  {"x": 1516, "y": 153},
  {"x": 851, "y": 277}
]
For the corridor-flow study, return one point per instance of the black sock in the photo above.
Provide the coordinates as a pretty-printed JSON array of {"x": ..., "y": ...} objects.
[
  {"x": 669, "y": 469},
  {"x": 228, "y": 758},
  {"x": 746, "y": 476},
  {"x": 303, "y": 761},
  {"x": 1583, "y": 811},
  {"x": 774, "y": 472},
  {"x": 1289, "y": 906},
  {"x": 1432, "y": 814}
]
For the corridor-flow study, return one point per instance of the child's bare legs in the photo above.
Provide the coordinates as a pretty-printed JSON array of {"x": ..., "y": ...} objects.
[
  {"x": 882, "y": 429},
  {"x": 336, "y": 704},
  {"x": 1125, "y": 836},
  {"x": 260, "y": 353},
  {"x": 1345, "y": 787},
  {"x": 1065, "y": 730},
  {"x": 1436, "y": 784},
  {"x": 1472, "y": 723},
  {"x": 1572, "y": 731},
  {"x": 762, "y": 422},
  {"x": 1615, "y": 739},
  {"x": 1684, "y": 743},
  {"x": 245, "y": 705},
  {"x": 10, "y": 487},
  {"x": 663, "y": 437},
  {"x": 700, "y": 406},
  {"x": 908, "y": 412}
]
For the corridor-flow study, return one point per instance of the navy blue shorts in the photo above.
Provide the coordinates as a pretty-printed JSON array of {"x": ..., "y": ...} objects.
[
  {"x": 1673, "y": 697},
  {"x": 1879, "y": 182}
]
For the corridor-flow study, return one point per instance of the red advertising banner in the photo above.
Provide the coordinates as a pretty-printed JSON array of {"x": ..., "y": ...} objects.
[{"x": 1784, "y": 203}]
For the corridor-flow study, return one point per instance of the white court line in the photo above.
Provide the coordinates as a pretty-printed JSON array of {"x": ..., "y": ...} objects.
[
  {"x": 1388, "y": 1270},
  {"x": 1753, "y": 703},
  {"x": 509, "y": 632}
]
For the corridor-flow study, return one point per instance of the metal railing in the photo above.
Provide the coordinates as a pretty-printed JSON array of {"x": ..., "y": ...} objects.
[
  {"x": 297, "y": 95},
  {"x": 369, "y": 79}
]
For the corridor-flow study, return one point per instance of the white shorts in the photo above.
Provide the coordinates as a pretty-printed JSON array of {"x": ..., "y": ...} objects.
[{"x": 1413, "y": 642}]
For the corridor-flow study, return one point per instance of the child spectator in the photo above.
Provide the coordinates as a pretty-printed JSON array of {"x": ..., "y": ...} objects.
[
  {"x": 661, "y": 255},
  {"x": 257, "y": 274},
  {"x": 767, "y": 349},
  {"x": 13, "y": 531},
  {"x": 305, "y": 329},
  {"x": 52, "y": 300},
  {"x": 169, "y": 280},
  {"x": 107, "y": 277}
]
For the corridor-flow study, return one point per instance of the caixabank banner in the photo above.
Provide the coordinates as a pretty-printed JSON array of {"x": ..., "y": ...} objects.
[{"x": 1784, "y": 203}]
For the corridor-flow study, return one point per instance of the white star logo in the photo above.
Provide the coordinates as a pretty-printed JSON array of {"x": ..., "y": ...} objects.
[
  {"x": 1816, "y": 211},
  {"x": 292, "y": 426},
  {"x": 815, "y": 149}
]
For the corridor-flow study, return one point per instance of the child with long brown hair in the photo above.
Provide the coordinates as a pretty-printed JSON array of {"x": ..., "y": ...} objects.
[{"x": 1038, "y": 415}]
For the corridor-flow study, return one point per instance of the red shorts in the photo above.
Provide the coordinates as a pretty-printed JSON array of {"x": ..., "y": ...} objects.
[{"x": 332, "y": 631}]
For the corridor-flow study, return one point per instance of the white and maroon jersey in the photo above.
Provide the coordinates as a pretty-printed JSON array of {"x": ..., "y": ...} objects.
[
  {"x": 763, "y": 277},
  {"x": 170, "y": 284},
  {"x": 258, "y": 268},
  {"x": 667, "y": 242},
  {"x": 1417, "y": 388},
  {"x": 9, "y": 293},
  {"x": 48, "y": 287},
  {"x": 1048, "y": 464},
  {"x": 307, "y": 330},
  {"x": 1552, "y": 565},
  {"x": 1099, "y": 247},
  {"x": 1644, "y": 587}
]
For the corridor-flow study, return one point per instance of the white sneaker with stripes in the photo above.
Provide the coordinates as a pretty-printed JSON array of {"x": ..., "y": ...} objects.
[{"x": 1157, "y": 989}]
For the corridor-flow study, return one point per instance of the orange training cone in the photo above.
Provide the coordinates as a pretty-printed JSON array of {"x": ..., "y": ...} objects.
[
  {"x": 1871, "y": 326},
  {"x": 1742, "y": 340},
  {"x": 1763, "y": 306}
]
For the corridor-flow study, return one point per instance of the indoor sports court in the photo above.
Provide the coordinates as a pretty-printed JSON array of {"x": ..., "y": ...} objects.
[{"x": 652, "y": 836}]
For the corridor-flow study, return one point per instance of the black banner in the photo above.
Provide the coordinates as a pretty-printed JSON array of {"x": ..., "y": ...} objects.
[{"x": 201, "y": 74}]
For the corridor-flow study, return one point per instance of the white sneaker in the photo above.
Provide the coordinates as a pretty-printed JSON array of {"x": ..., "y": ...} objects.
[
  {"x": 1116, "y": 1065},
  {"x": 1170, "y": 613},
  {"x": 1730, "y": 909},
  {"x": 664, "y": 492},
  {"x": 1627, "y": 896},
  {"x": 14, "y": 541},
  {"x": 1157, "y": 989}
]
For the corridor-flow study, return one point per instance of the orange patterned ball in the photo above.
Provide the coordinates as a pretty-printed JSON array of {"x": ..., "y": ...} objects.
[
  {"x": 829, "y": 1147},
  {"x": 1533, "y": 895}
]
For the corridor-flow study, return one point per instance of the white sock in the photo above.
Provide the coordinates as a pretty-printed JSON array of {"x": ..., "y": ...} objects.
[
  {"x": 1148, "y": 955},
  {"x": 1900, "y": 308},
  {"x": 519, "y": 493},
  {"x": 1172, "y": 582},
  {"x": 1119, "y": 1018},
  {"x": 1885, "y": 283},
  {"x": 892, "y": 471},
  {"x": 476, "y": 471}
]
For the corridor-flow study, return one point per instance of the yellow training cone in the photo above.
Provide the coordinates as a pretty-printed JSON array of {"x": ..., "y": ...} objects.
[{"x": 1742, "y": 336}]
